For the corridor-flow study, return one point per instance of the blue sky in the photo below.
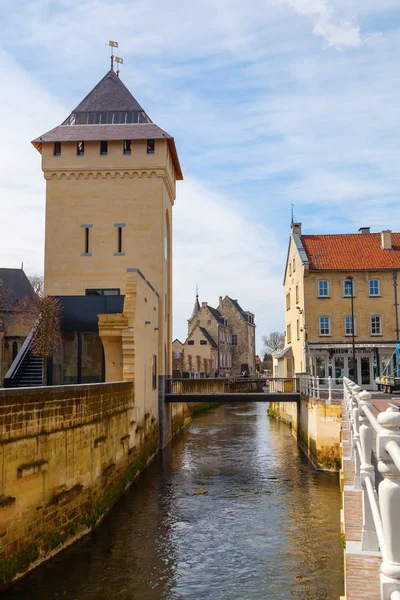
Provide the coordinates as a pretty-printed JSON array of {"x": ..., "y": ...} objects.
[{"x": 270, "y": 102}]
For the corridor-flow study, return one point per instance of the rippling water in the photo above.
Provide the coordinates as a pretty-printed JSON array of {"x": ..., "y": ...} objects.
[{"x": 268, "y": 527}]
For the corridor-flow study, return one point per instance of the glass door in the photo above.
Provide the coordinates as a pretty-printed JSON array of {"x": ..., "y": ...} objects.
[{"x": 338, "y": 370}]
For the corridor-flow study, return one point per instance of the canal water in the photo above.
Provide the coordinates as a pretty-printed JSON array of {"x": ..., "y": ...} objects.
[{"x": 267, "y": 529}]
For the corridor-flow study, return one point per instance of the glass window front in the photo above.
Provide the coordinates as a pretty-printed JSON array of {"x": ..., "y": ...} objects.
[
  {"x": 374, "y": 287},
  {"x": 348, "y": 326},
  {"x": 376, "y": 328},
  {"x": 348, "y": 288},
  {"x": 91, "y": 358},
  {"x": 324, "y": 326},
  {"x": 323, "y": 288}
]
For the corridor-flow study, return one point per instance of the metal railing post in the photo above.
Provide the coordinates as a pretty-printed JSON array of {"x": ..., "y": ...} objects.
[
  {"x": 329, "y": 401},
  {"x": 369, "y": 539},
  {"x": 389, "y": 501}
]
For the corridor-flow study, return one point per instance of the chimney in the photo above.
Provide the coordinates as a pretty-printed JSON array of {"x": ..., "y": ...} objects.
[
  {"x": 220, "y": 299},
  {"x": 296, "y": 228},
  {"x": 203, "y": 304},
  {"x": 386, "y": 239},
  {"x": 364, "y": 230}
]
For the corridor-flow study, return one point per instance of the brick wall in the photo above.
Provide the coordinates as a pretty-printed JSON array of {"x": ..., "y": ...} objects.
[{"x": 66, "y": 455}]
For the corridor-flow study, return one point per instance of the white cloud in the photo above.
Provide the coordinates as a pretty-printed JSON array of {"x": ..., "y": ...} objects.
[
  {"x": 27, "y": 111},
  {"x": 224, "y": 250},
  {"x": 337, "y": 32}
]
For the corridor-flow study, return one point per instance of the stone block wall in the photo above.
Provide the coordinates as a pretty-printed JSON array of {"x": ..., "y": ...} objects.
[
  {"x": 66, "y": 455},
  {"x": 316, "y": 426}
]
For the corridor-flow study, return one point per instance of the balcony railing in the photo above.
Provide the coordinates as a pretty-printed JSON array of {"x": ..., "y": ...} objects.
[
  {"x": 381, "y": 506},
  {"x": 245, "y": 385}
]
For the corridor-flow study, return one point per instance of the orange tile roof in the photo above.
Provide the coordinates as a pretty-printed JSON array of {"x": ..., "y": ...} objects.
[{"x": 351, "y": 252}]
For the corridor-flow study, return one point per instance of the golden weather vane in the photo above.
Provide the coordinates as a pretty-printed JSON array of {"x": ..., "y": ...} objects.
[
  {"x": 119, "y": 61},
  {"x": 112, "y": 45}
]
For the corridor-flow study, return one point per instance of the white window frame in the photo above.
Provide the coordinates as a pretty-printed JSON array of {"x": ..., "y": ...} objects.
[
  {"x": 347, "y": 331},
  {"x": 372, "y": 326},
  {"x": 234, "y": 337},
  {"x": 350, "y": 286},
  {"x": 322, "y": 281},
  {"x": 320, "y": 328},
  {"x": 379, "y": 288}
]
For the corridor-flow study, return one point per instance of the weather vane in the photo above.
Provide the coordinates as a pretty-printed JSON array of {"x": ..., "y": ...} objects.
[
  {"x": 120, "y": 61},
  {"x": 112, "y": 45}
]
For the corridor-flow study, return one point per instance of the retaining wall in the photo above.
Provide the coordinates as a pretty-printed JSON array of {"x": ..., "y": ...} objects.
[{"x": 316, "y": 426}]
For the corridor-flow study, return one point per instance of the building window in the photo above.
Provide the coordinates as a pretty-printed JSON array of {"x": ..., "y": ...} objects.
[
  {"x": 294, "y": 265},
  {"x": 209, "y": 322},
  {"x": 234, "y": 339},
  {"x": 288, "y": 301},
  {"x": 86, "y": 241},
  {"x": 14, "y": 350},
  {"x": 104, "y": 148},
  {"x": 119, "y": 239},
  {"x": 191, "y": 343},
  {"x": 150, "y": 146},
  {"x": 289, "y": 334},
  {"x": 323, "y": 288},
  {"x": 103, "y": 292},
  {"x": 298, "y": 329},
  {"x": 80, "y": 148},
  {"x": 203, "y": 343},
  {"x": 348, "y": 288},
  {"x": 376, "y": 328},
  {"x": 297, "y": 294},
  {"x": 127, "y": 146},
  {"x": 154, "y": 372},
  {"x": 348, "y": 326},
  {"x": 374, "y": 288},
  {"x": 57, "y": 149},
  {"x": 324, "y": 326}
]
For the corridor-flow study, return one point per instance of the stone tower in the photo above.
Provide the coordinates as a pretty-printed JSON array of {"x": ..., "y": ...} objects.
[{"x": 110, "y": 187}]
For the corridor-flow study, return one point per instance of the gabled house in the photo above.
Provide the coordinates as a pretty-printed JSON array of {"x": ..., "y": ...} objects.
[{"x": 341, "y": 296}]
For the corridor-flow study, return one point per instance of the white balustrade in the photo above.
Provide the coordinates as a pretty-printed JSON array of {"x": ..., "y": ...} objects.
[{"x": 381, "y": 522}]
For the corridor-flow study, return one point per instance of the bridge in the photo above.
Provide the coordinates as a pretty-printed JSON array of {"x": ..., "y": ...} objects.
[{"x": 222, "y": 389}]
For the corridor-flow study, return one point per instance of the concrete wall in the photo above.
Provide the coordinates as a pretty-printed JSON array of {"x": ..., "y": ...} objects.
[
  {"x": 66, "y": 455},
  {"x": 316, "y": 427}
]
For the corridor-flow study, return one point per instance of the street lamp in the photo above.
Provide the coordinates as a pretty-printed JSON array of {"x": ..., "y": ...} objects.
[{"x": 350, "y": 278}]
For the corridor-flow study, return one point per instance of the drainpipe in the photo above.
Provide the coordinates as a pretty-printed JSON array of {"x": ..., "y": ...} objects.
[{"x": 396, "y": 304}]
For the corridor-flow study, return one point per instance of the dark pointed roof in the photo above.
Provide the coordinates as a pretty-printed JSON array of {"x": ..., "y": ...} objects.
[
  {"x": 216, "y": 314},
  {"x": 196, "y": 307},
  {"x": 109, "y": 112},
  {"x": 208, "y": 337},
  {"x": 15, "y": 286},
  {"x": 109, "y": 94}
]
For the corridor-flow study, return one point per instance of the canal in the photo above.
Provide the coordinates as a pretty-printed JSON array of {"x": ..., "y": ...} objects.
[{"x": 267, "y": 529}]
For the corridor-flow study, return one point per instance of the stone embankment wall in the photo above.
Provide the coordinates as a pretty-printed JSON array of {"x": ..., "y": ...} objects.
[
  {"x": 316, "y": 426},
  {"x": 66, "y": 455}
]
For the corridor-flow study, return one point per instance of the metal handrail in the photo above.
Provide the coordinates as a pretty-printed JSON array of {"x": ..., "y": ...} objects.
[
  {"x": 13, "y": 370},
  {"x": 381, "y": 526}
]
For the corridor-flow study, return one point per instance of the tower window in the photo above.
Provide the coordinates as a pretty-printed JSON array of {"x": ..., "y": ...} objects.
[
  {"x": 150, "y": 146},
  {"x": 57, "y": 149},
  {"x": 119, "y": 239},
  {"x": 119, "y": 227},
  {"x": 104, "y": 148},
  {"x": 87, "y": 240},
  {"x": 127, "y": 146},
  {"x": 80, "y": 148}
]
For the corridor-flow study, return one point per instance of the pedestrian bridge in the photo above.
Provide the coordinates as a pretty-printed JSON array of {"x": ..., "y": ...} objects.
[{"x": 223, "y": 389}]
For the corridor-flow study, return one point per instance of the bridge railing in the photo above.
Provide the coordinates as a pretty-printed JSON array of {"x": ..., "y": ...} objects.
[
  {"x": 319, "y": 387},
  {"x": 381, "y": 506},
  {"x": 222, "y": 385}
]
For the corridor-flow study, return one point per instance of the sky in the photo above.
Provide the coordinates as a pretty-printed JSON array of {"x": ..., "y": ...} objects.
[{"x": 271, "y": 103}]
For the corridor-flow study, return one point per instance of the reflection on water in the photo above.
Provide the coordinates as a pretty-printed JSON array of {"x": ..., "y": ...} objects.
[{"x": 267, "y": 529}]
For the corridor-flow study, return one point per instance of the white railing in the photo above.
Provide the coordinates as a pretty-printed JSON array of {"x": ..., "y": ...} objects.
[
  {"x": 381, "y": 511},
  {"x": 312, "y": 386}
]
